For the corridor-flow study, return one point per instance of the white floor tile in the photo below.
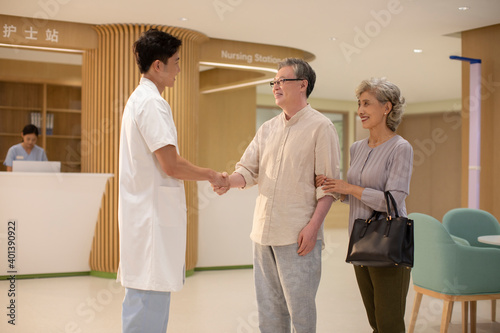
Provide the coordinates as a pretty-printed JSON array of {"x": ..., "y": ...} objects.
[{"x": 211, "y": 302}]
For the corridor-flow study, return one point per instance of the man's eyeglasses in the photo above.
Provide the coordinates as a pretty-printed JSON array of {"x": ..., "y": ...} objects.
[{"x": 280, "y": 82}]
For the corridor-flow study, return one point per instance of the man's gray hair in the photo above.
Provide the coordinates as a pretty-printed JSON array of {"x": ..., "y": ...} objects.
[{"x": 302, "y": 70}]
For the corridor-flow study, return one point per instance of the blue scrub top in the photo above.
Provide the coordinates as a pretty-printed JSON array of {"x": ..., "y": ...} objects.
[{"x": 17, "y": 152}]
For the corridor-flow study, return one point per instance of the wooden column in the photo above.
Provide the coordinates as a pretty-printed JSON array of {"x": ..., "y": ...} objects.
[
  {"x": 482, "y": 43},
  {"x": 110, "y": 75}
]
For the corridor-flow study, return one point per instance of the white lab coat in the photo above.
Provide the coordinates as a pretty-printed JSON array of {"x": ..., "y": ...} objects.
[{"x": 152, "y": 205}]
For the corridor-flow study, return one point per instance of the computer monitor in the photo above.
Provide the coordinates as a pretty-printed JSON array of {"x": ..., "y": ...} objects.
[{"x": 36, "y": 166}]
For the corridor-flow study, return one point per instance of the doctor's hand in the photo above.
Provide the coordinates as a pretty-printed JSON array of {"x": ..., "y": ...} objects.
[{"x": 221, "y": 184}]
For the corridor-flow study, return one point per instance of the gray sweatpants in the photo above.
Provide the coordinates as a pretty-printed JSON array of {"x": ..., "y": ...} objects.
[{"x": 286, "y": 286}]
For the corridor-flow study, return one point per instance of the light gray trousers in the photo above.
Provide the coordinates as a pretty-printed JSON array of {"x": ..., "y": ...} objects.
[
  {"x": 286, "y": 286},
  {"x": 145, "y": 311}
]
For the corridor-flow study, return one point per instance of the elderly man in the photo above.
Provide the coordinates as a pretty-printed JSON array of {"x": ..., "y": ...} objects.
[{"x": 283, "y": 159}]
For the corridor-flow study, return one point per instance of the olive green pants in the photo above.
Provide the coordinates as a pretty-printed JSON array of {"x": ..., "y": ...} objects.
[{"x": 384, "y": 290}]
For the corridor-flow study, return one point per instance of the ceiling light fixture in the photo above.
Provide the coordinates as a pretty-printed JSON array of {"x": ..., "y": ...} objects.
[
  {"x": 42, "y": 48},
  {"x": 234, "y": 66},
  {"x": 234, "y": 86},
  {"x": 463, "y": 8},
  {"x": 333, "y": 38},
  {"x": 183, "y": 19},
  {"x": 223, "y": 65},
  {"x": 418, "y": 50}
]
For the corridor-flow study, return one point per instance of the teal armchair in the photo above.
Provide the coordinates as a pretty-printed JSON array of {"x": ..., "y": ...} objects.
[
  {"x": 469, "y": 224},
  {"x": 451, "y": 271}
]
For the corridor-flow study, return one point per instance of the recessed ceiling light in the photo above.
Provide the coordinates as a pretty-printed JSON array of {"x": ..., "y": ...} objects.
[
  {"x": 463, "y": 8},
  {"x": 333, "y": 38},
  {"x": 417, "y": 50},
  {"x": 183, "y": 19}
]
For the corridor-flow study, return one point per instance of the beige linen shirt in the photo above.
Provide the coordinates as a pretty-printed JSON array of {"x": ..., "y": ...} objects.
[{"x": 283, "y": 159}]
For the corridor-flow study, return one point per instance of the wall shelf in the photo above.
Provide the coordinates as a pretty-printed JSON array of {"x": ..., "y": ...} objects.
[{"x": 59, "y": 109}]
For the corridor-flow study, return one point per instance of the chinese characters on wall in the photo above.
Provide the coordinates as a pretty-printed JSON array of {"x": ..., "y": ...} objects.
[{"x": 51, "y": 35}]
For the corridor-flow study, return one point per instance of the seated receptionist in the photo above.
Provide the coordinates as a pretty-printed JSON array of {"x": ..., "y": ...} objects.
[{"x": 27, "y": 150}]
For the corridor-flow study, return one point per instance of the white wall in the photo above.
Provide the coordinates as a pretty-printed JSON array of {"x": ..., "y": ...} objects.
[{"x": 224, "y": 227}]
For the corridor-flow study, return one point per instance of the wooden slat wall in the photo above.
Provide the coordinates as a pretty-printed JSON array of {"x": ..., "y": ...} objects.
[
  {"x": 435, "y": 183},
  {"x": 110, "y": 75},
  {"x": 483, "y": 44}
]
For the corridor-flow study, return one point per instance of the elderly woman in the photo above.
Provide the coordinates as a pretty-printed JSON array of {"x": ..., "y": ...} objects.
[{"x": 382, "y": 162}]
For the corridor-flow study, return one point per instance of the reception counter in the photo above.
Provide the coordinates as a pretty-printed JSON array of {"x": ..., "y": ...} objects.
[{"x": 47, "y": 221}]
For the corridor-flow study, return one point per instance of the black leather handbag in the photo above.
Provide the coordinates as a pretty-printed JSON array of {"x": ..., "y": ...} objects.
[{"x": 385, "y": 242}]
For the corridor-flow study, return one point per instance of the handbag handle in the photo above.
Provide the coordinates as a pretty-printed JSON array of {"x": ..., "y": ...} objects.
[
  {"x": 369, "y": 220},
  {"x": 389, "y": 197},
  {"x": 375, "y": 215}
]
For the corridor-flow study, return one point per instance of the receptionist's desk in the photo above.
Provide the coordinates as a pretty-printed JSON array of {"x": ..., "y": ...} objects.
[{"x": 47, "y": 221}]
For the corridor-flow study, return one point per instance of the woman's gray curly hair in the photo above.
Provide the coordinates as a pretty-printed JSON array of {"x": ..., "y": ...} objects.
[{"x": 385, "y": 91}]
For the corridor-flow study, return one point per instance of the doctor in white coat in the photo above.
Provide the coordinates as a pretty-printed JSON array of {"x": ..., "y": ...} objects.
[{"x": 152, "y": 206}]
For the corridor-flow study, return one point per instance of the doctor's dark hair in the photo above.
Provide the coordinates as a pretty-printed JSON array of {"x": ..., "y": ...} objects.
[
  {"x": 30, "y": 129},
  {"x": 385, "y": 91},
  {"x": 302, "y": 70},
  {"x": 154, "y": 45}
]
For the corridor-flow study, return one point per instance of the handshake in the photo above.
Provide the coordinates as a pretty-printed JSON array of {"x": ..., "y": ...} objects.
[{"x": 220, "y": 183}]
